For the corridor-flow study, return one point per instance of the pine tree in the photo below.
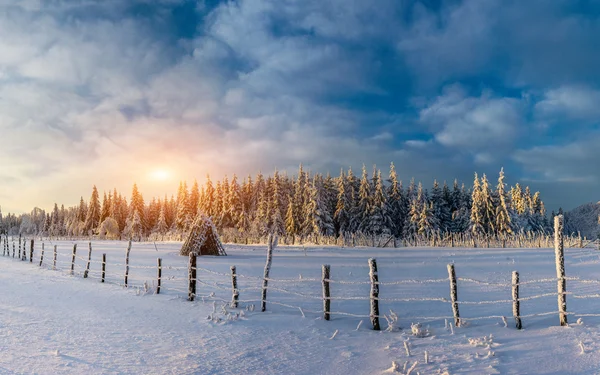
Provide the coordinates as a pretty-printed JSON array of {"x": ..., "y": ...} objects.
[
  {"x": 209, "y": 198},
  {"x": 329, "y": 202},
  {"x": 218, "y": 204},
  {"x": 182, "y": 216},
  {"x": 92, "y": 220},
  {"x": 161, "y": 224},
  {"x": 263, "y": 213},
  {"x": 396, "y": 203},
  {"x": 516, "y": 195},
  {"x": 152, "y": 213},
  {"x": 277, "y": 223},
  {"x": 194, "y": 201},
  {"x": 477, "y": 209},
  {"x": 342, "y": 209},
  {"x": 352, "y": 188},
  {"x": 414, "y": 216},
  {"x": 137, "y": 221},
  {"x": 503, "y": 210},
  {"x": 82, "y": 211},
  {"x": 380, "y": 219},
  {"x": 290, "y": 218},
  {"x": 105, "y": 210},
  {"x": 441, "y": 211},
  {"x": 361, "y": 215},
  {"x": 489, "y": 210},
  {"x": 235, "y": 204}
]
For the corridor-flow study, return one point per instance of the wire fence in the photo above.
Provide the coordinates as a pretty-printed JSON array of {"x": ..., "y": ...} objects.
[{"x": 307, "y": 295}]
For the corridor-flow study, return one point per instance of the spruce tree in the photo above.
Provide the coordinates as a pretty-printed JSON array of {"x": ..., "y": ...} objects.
[
  {"x": 161, "y": 224},
  {"x": 209, "y": 198},
  {"x": 136, "y": 217},
  {"x": 477, "y": 209},
  {"x": 105, "y": 210},
  {"x": 489, "y": 210},
  {"x": 342, "y": 208},
  {"x": 503, "y": 210},
  {"x": 396, "y": 203},
  {"x": 194, "y": 201},
  {"x": 92, "y": 220},
  {"x": 290, "y": 218},
  {"x": 380, "y": 219},
  {"x": 277, "y": 223},
  {"x": 362, "y": 212}
]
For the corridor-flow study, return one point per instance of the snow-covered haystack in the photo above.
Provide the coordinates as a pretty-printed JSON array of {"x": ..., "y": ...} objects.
[
  {"x": 202, "y": 239},
  {"x": 584, "y": 219}
]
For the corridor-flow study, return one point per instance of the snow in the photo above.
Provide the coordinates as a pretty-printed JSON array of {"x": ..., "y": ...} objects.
[{"x": 52, "y": 322}]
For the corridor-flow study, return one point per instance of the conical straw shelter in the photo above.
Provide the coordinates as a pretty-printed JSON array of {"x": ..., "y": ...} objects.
[{"x": 202, "y": 239}]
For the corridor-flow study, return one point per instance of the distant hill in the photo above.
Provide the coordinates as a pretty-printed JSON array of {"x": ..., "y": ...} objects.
[{"x": 584, "y": 219}]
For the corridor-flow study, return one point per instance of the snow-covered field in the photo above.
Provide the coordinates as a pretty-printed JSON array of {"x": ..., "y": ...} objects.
[{"x": 52, "y": 322}]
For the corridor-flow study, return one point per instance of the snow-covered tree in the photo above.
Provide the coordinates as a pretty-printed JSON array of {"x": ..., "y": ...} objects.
[{"x": 504, "y": 213}]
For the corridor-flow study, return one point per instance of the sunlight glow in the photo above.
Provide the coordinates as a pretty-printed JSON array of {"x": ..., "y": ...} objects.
[{"x": 160, "y": 175}]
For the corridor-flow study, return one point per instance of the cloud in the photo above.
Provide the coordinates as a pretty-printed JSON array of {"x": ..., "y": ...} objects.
[
  {"x": 574, "y": 102},
  {"x": 519, "y": 44},
  {"x": 571, "y": 162},
  {"x": 473, "y": 123},
  {"x": 101, "y": 92}
]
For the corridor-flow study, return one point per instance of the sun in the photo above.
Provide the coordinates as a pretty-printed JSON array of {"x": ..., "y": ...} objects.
[{"x": 160, "y": 174}]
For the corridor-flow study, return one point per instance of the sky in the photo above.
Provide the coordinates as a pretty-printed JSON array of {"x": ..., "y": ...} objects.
[{"x": 109, "y": 93}]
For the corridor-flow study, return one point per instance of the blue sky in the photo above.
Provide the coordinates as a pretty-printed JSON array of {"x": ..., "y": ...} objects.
[{"x": 106, "y": 93}]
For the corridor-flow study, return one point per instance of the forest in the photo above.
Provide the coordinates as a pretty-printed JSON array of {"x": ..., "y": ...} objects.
[{"x": 299, "y": 206}]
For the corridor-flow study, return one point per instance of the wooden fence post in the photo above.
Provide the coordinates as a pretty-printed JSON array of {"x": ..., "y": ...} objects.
[
  {"x": 326, "y": 272},
  {"x": 54, "y": 261},
  {"x": 102, "y": 277},
  {"x": 235, "y": 293},
  {"x": 374, "y": 315},
  {"x": 20, "y": 256},
  {"x": 87, "y": 267},
  {"x": 159, "y": 274},
  {"x": 454, "y": 294},
  {"x": 263, "y": 303},
  {"x": 31, "y": 252},
  {"x": 127, "y": 263},
  {"x": 14, "y": 249},
  {"x": 515, "y": 296},
  {"x": 73, "y": 259},
  {"x": 559, "y": 252},
  {"x": 192, "y": 277},
  {"x": 42, "y": 256}
]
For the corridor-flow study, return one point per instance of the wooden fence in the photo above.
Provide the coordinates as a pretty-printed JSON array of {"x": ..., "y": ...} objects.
[{"x": 265, "y": 284}]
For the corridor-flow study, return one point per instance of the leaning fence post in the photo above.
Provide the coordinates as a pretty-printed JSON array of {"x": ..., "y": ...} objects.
[
  {"x": 87, "y": 267},
  {"x": 103, "y": 268},
  {"x": 453, "y": 294},
  {"x": 54, "y": 260},
  {"x": 559, "y": 252},
  {"x": 263, "y": 303},
  {"x": 159, "y": 274},
  {"x": 73, "y": 259},
  {"x": 374, "y": 294},
  {"x": 42, "y": 256},
  {"x": 127, "y": 263},
  {"x": 192, "y": 277},
  {"x": 326, "y": 271},
  {"x": 31, "y": 252},
  {"x": 515, "y": 296}
]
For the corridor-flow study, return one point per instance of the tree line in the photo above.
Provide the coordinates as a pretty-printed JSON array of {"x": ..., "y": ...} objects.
[{"x": 301, "y": 205}]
